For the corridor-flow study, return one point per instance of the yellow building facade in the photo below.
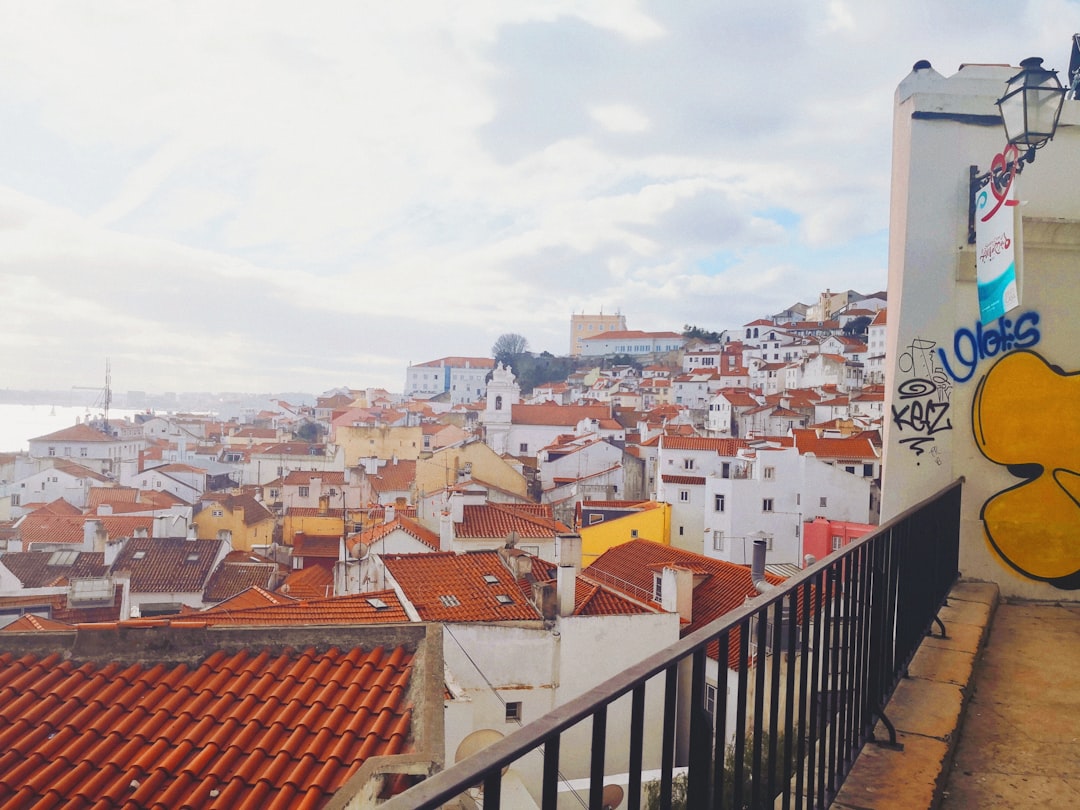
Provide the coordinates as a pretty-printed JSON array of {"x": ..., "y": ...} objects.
[{"x": 651, "y": 522}]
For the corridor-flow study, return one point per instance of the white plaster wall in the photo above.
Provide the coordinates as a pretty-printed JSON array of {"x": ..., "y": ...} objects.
[{"x": 933, "y": 295}]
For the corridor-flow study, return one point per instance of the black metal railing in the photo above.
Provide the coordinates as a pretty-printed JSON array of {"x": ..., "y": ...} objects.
[{"x": 811, "y": 665}]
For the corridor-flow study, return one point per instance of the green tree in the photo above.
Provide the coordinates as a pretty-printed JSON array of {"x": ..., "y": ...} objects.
[{"x": 691, "y": 332}]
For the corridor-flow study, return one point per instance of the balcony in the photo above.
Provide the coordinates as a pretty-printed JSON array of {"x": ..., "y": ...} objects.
[{"x": 781, "y": 729}]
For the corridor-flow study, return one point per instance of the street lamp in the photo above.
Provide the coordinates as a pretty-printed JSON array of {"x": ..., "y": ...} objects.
[
  {"x": 1030, "y": 109},
  {"x": 1031, "y": 106}
]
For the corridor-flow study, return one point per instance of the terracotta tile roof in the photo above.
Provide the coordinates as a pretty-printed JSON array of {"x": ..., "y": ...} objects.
[
  {"x": 110, "y": 495},
  {"x": 557, "y": 415},
  {"x": 253, "y": 597},
  {"x": 41, "y": 527},
  {"x": 236, "y": 576},
  {"x": 470, "y": 587},
  {"x": 265, "y": 726},
  {"x": 292, "y": 449},
  {"x": 44, "y": 569},
  {"x": 60, "y": 507},
  {"x": 723, "y": 447},
  {"x": 354, "y": 608},
  {"x": 76, "y": 433},
  {"x": 497, "y": 520},
  {"x": 313, "y": 582},
  {"x": 631, "y": 334},
  {"x": 591, "y": 598},
  {"x": 396, "y": 476},
  {"x": 314, "y": 511},
  {"x": 314, "y": 545},
  {"x": 856, "y": 448},
  {"x": 78, "y": 470},
  {"x": 685, "y": 480},
  {"x": 399, "y": 523},
  {"x": 329, "y": 477},
  {"x": 458, "y": 362},
  {"x": 168, "y": 564},
  {"x": 724, "y": 586},
  {"x": 28, "y": 622}
]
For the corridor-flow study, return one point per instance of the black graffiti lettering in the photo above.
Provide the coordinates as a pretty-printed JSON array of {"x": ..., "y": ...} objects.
[
  {"x": 916, "y": 443},
  {"x": 917, "y": 387},
  {"x": 935, "y": 413}
]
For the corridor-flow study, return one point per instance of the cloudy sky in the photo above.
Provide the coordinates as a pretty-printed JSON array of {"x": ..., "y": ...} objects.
[{"x": 283, "y": 196}]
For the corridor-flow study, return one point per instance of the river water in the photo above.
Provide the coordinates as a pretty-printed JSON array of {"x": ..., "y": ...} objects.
[{"x": 20, "y": 423}]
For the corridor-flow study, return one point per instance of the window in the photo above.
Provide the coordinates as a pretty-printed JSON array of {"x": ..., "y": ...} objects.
[
  {"x": 449, "y": 600},
  {"x": 82, "y": 452},
  {"x": 769, "y": 473},
  {"x": 523, "y": 447},
  {"x": 657, "y": 587},
  {"x": 823, "y": 502},
  {"x": 304, "y": 491},
  {"x": 837, "y": 542},
  {"x": 868, "y": 470},
  {"x": 710, "y": 703},
  {"x": 594, "y": 519},
  {"x": 498, "y": 402},
  {"x": 680, "y": 531},
  {"x": 767, "y": 505},
  {"x": 513, "y": 711},
  {"x": 14, "y": 500},
  {"x": 218, "y": 513},
  {"x": 850, "y": 468},
  {"x": 718, "y": 503},
  {"x": 717, "y": 540},
  {"x": 688, "y": 464},
  {"x": 725, "y": 470},
  {"x": 633, "y": 534},
  {"x": 684, "y": 494},
  {"x": 52, "y": 451}
]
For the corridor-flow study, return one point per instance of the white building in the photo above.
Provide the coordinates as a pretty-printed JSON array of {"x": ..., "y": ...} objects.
[{"x": 460, "y": 378}]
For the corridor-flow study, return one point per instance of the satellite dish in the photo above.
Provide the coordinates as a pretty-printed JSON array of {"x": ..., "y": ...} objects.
[
  {"x": 360, "y": 550},
  {"x": 611, "y": 797},
  {"x": 476, "y": 742}
]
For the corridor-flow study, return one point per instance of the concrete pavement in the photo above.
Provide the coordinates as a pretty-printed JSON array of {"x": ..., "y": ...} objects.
[{"x": 1019, "y": 742}]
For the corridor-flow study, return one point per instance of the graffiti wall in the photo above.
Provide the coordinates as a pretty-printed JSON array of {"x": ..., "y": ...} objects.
[{"x": 1025, "y": 417}]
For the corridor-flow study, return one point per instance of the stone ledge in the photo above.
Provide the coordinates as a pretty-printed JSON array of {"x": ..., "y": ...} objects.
[{"x": 926, "y": 709}]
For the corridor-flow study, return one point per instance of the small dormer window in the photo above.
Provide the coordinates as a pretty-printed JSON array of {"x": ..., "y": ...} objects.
[
  {"x": 657, "y": 586},
  {"x": 491, "y": 579}
]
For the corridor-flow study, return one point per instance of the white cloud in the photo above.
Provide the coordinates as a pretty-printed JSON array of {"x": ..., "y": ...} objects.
[{"x": 251, "y": 195}]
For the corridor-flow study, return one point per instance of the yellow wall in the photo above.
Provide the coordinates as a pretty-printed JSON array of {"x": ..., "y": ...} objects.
[
  {"x": 439, "y": 470},
  {"x": 243, "y": 536},
  {"x": 381, "y": 442},
  {"x": 322, "y": 526},
  {"x": 651, "y": 524}
]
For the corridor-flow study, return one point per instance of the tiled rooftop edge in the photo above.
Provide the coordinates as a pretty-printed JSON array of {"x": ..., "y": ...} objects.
[
  {"x": 927, "y": 709},
  {"x": 190, "y": 645}
]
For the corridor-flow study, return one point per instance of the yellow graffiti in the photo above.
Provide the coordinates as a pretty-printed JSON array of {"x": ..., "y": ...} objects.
[{"x": 1025, "y": 416}]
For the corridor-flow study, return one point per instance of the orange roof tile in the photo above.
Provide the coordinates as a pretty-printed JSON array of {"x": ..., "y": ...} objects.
[
  {"x": 497, "y": 520},
  {"x": 261, "y": 726},
  {"x": 313, "y": 582},
  {"x": 354, "y": 608},
  {"x": 557, "y": 415},
  {"x": 725, "y": 586},
  {"x": 470, "y": 587}
]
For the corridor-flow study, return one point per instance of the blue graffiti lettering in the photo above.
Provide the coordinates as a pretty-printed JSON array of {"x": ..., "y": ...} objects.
[{"x": 970, "y": 347}]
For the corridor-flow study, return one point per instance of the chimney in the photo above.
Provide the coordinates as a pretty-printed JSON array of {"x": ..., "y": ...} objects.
[
  {"x": 757, "y": 567},
  {"x": 545, "y": 600},
  {"x": 112, "y": 550},
  {"x": 104, "y": 509},
  {"x": 389, "y": 513},
  {"x": 446, "y": 531},
  {"x": 568, "y": 559},
  {"x": 677, "y": 592},
  {"x": 457, "y": 507},
  {"x": 94, "y": 536},
  {"x": 226, "y": 535}
]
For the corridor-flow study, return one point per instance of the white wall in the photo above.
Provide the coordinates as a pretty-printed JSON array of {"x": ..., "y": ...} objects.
[{"x": 933, "y": 330}]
